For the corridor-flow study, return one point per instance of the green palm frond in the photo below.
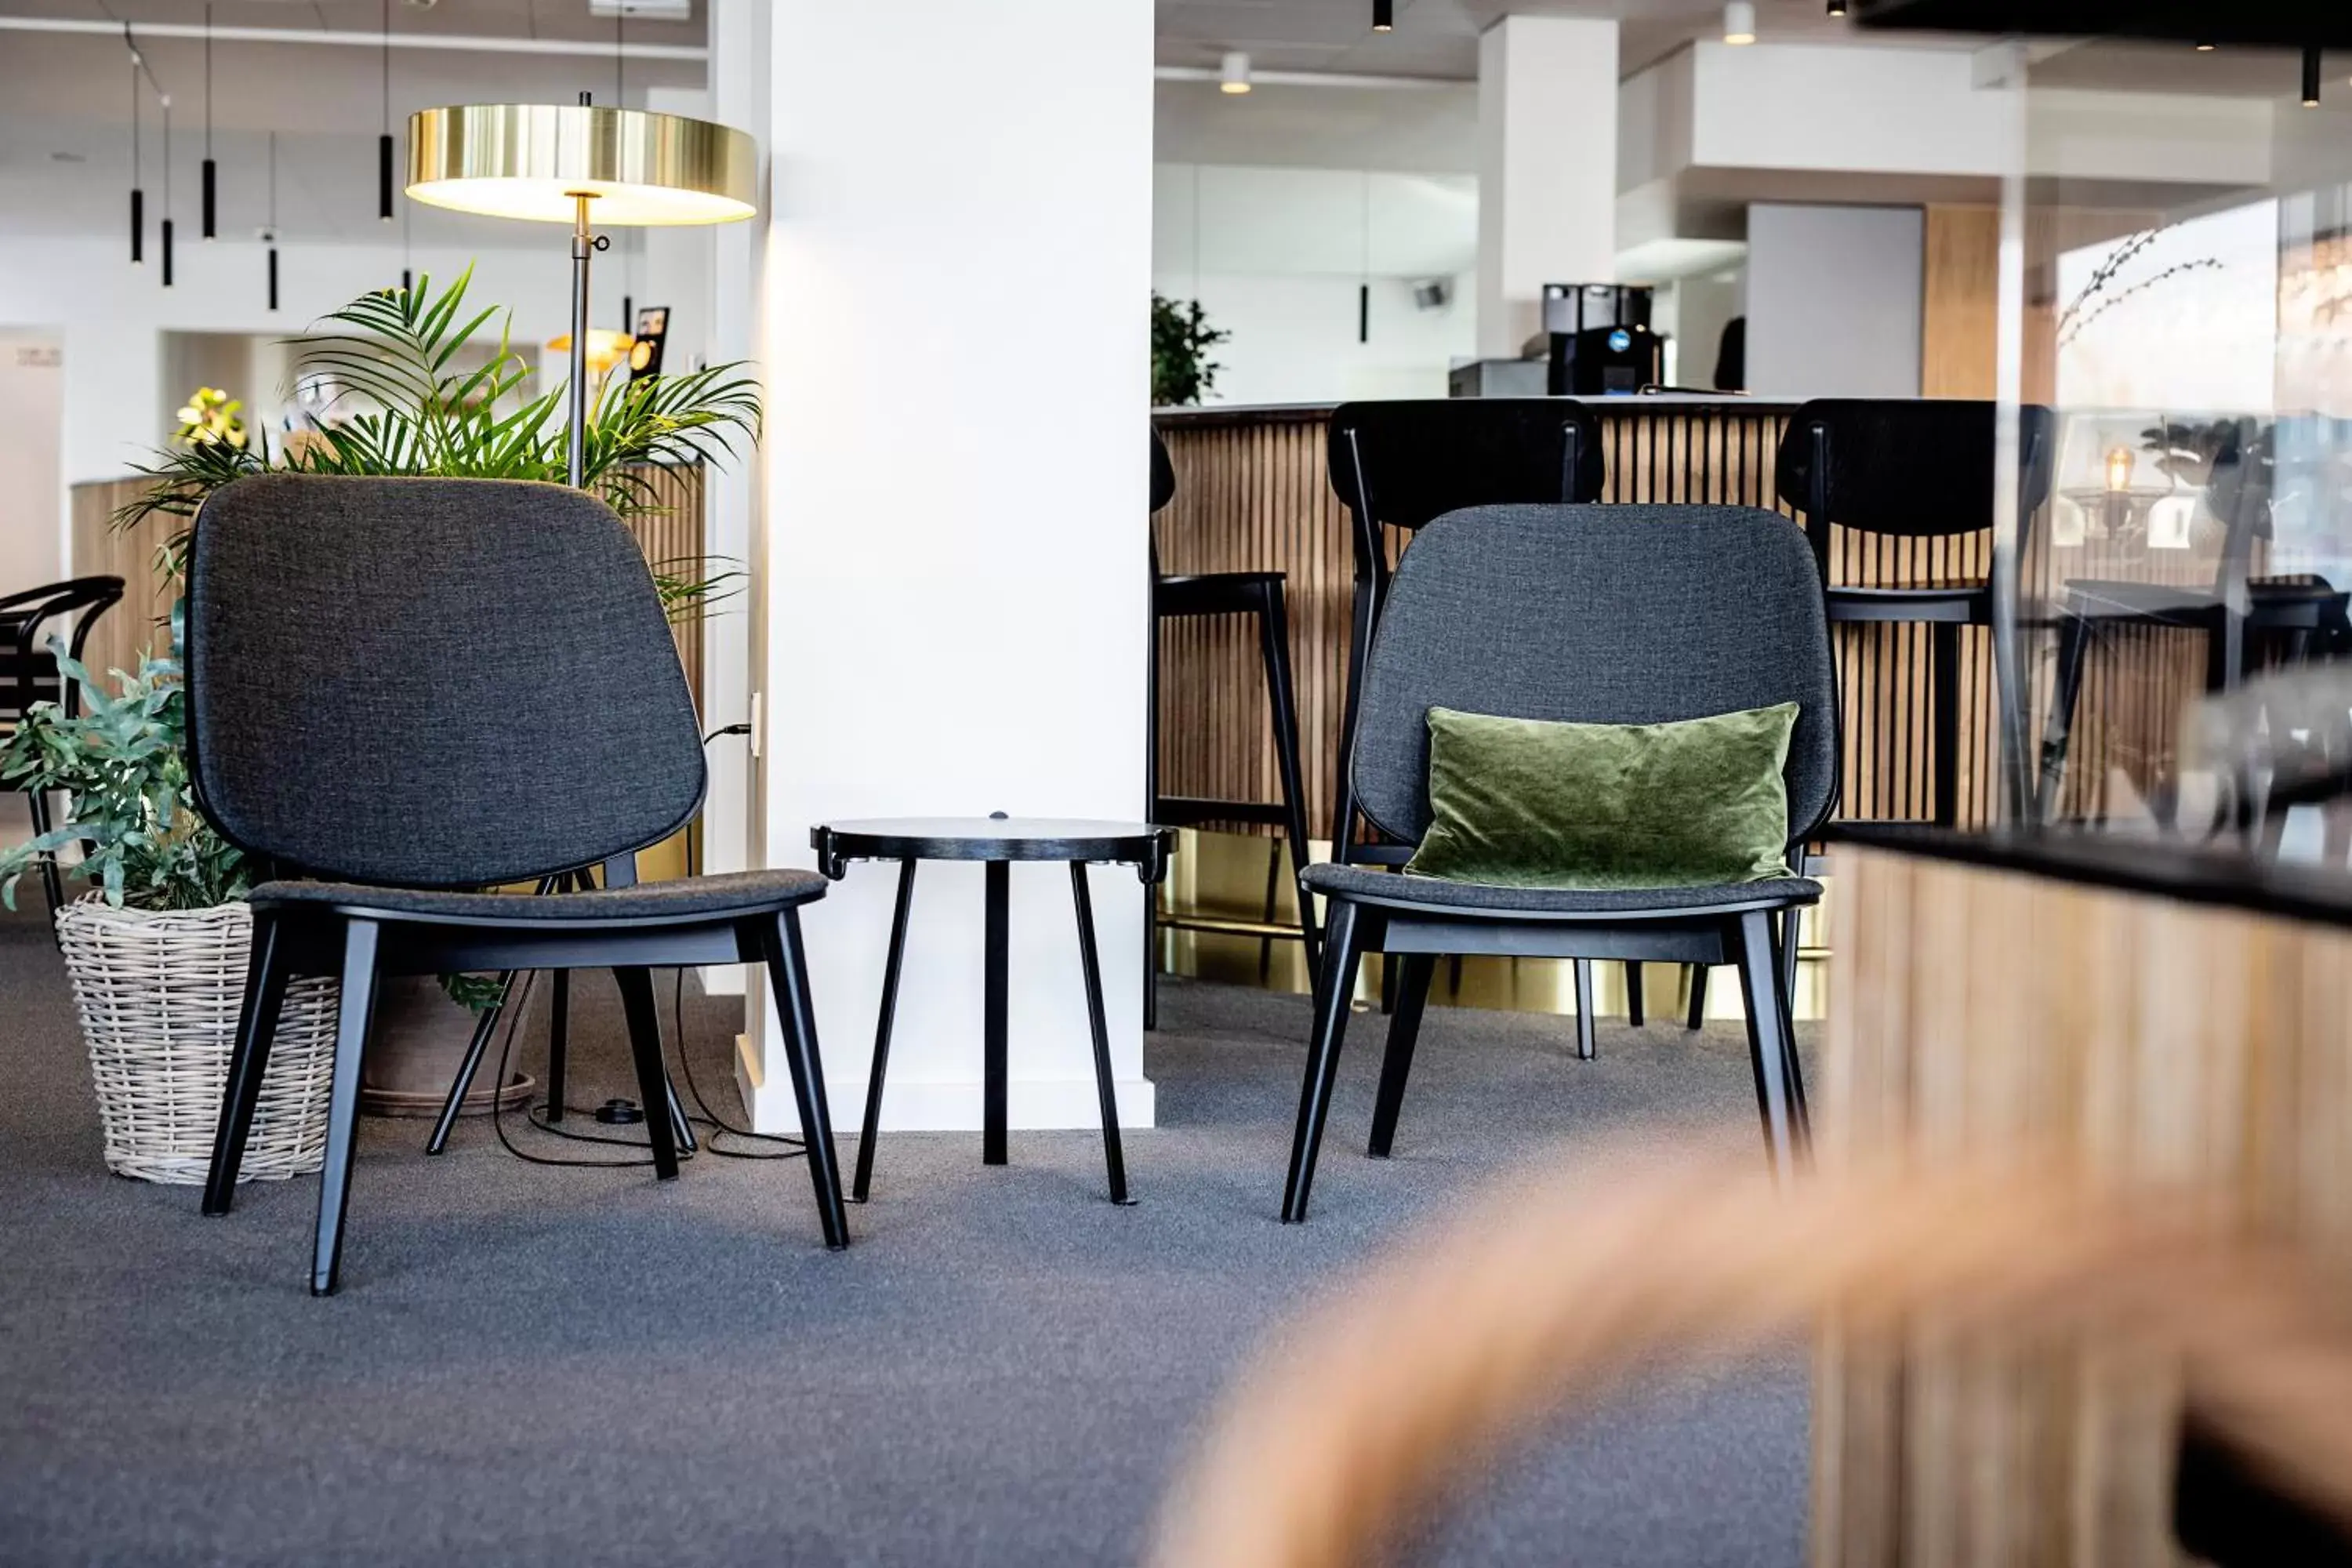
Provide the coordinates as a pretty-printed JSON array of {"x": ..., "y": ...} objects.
[{"x": 403, "y": 404}]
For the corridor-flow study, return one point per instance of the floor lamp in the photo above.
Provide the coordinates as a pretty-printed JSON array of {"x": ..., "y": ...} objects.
[{"x": 587, "y": 167}]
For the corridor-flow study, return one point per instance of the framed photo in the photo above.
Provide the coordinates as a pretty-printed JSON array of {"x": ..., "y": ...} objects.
[{"x": 653, "y": 329}]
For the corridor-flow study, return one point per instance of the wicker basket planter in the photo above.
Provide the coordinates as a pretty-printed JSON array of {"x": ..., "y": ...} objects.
[{"x": 159, "y": 995}]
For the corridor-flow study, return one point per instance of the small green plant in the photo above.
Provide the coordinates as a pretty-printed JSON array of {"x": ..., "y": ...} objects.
[
  {"x": 1182, "y": 371},
  {"x": 123, "y": 761}
]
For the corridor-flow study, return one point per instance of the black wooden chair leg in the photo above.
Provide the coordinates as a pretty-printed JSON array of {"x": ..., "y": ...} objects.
[
  {"x": 2074, "y": 649},
  {"x": 780, "y": 944},
  {"x": 485, "y": 1024},
  {"x": 1418, "y": 970},
  {"x": 1343, "y": 949},
  {"x": 352, "y": 1018},
  {"x": 1697, "y": 1019},
  {"x": 1105, "y": 1087},
  {"x": 1778, "y": 1096},
  {"x": 1792, "y": 948},
  {"x": 1273, "y": 638},
  {"x": 1587, "y": 1044},
  {"x": 1634, "y": 997},
  {"x": 257, "y": 1027},
  {"x": 873, "y": 1121},
  {"x": 653, "y": 1082}
]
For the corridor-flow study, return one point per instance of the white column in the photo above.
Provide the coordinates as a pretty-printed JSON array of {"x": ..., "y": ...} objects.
[
  {"x": 1547, "y": 168},
  {"x": 954, "y": 585}
]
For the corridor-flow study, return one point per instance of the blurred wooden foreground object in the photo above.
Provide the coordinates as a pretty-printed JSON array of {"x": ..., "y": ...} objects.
[{"x": 2086, "y": 1175}]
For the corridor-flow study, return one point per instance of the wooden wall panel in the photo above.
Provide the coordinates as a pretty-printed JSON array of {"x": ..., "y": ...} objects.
[
  {"x": 673, "y": 535},
  {"x": 2137, "y": 1040},
  {"x": 1960, "y": 307},
  {"x": 1252, "y": 495}
]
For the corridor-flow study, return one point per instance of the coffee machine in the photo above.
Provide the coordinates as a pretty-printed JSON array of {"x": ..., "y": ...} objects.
[{"x": 1601, "y": 344}]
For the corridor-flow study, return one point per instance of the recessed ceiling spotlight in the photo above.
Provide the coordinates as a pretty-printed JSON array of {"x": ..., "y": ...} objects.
[
  {"x": 1739, "y": 21},
  {"x": 2207, "y": 48},
  {"x": 1384, "y": 15},
  {"x": 2311, "y": 65},
  {"x": 1233, "y": 75},
  {"x": 1837, "y": 7}
]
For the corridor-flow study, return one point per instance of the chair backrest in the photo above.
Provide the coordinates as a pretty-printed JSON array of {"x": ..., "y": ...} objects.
[
  {"x": 1409, "y": 463},
  {"x": 1607, "y": 615},
  {"x": 28, "y": 622},
  {"x": 431, "y": 683},
  {"x": 1163, "y": 474},
  {"x": 1917, "y": 466}
]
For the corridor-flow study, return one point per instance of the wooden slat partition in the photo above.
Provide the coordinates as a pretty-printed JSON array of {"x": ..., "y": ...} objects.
[
  {"x": 1252, "y": 495},
  {"x": 672, "y": 536},
  {"x": 1982, "y": 1014}
]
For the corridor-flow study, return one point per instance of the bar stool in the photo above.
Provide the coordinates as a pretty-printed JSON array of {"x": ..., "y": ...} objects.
[
  {"x": 1406, "y": 464},
  {"x": 1265, "y": 596},
  {"x": 29, "y": 674},
  {"x": 1905, "y": 469}
]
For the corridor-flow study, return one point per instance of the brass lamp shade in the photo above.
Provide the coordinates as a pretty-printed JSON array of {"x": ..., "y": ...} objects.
[{"x": 534, "y": 161}]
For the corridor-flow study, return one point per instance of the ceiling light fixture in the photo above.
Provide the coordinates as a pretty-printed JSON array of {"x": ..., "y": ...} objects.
[
  {"x": 1233, "y": 73},
  {"x": 2312, "y": 66},
  {"x": 383, "y": 142},
  {"x": 1837, "y": 7},
  {"x": 210, "y": 173},
  {"x": 166, "y": 226},
  {"x": 270, "y": 235},
  {"x": 1740, "y": 22},
  {"x": 138, "y": 196},
  {"x": 2205, "y": 49},
  {"x": 1384, "y": 15}
]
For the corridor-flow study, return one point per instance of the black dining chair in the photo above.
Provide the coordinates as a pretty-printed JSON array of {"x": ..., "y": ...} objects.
[
  {"x": 32, "y": 624},
  {"x": 1263, "y": 595},
  {"x": 1403, "y": 464},
  {"x": 1622, "y": 614},
  {"x": 402, "y": 691}
]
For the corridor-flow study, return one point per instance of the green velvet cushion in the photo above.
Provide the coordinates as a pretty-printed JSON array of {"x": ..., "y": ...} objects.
[{"x": 1520, "y": 802}]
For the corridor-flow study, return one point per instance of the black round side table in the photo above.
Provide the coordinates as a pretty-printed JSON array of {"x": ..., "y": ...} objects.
[{"x": 997, "y": 841}]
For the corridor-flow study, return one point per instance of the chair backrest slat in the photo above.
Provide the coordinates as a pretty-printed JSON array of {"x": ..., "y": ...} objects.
[
  {"x": 431, "y": 683},
  {"x": 1614, "y": 615},
  {"x": 29, "y": 623}
]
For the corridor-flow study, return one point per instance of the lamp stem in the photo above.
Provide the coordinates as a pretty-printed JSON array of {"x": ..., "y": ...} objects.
[{"x": 583, "y": 245}]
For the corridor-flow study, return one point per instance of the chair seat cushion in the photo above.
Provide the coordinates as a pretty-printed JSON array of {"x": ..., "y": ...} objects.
[
  {"x": 687, "y": 898},
  {"x": 1372, "y": 882}
]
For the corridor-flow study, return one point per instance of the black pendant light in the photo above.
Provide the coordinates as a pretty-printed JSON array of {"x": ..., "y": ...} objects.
[
  {"x": 2312, "y": 66},
  {"x": 1384, "y": 15},
  {"x": 270, "y": 235},
  {"x": 212, "y": 172},
  {"x": 1837, "y": 7},
  {"x": 1364, "y": 285},
  {"x": 138, "y": 196},
  {"x": 383, "y": 142},
  {"x": 166, "y": 227}
]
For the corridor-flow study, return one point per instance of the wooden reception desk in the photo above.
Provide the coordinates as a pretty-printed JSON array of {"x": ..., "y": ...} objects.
[{"x": 2142, "y": 1012}]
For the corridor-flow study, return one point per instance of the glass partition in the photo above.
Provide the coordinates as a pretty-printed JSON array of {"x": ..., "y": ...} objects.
[{"x": 2178, "y": 295}]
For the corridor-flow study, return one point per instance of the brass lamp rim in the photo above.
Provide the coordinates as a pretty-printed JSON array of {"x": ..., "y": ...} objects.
[{"x": 534, "y": 161}]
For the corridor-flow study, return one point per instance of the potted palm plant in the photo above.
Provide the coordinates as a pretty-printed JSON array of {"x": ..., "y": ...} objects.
[{"x": 157, "y": 952}]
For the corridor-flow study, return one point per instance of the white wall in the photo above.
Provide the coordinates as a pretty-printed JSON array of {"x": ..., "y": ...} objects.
[
  {"x": 1276, "y": 256},
  {"x": 1548, "y": 122},
  {"x": 1833, "y": 301},
  {"x": 32, "y": 423},
  {"x": 955, "y": 585}
]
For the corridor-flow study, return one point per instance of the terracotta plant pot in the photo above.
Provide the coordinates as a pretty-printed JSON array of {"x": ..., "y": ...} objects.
[{"x": 414, "y": 1049}]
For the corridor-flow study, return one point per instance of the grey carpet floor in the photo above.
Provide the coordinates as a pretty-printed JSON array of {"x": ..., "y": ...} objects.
[{"x": 531, "y": 1365}]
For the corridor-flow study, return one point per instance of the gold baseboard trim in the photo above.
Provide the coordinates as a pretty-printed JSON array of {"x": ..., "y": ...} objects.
[{"x": 1214, "y": 926}]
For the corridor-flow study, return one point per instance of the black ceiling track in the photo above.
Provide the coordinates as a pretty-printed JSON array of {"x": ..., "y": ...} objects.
[{"x": 2285, "y": 24}]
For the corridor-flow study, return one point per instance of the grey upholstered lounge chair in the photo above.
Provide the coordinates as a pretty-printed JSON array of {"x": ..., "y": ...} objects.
[
  {"x": 402, "y": 692},
  {"x": 1601, "y": 615}
]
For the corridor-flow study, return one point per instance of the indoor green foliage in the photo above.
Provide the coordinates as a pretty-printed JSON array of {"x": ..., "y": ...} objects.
[
  {"x": 397, "y": 354},
  {"x": 123, "y": 759},
  {"x": 1182, "y": 372}
]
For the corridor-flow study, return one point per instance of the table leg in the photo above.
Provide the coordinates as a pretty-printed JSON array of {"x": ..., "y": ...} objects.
[
  {"x": 994, "y": 1004},
  {"x": 882, "y": 1031},
  {"x": 1103, "y": 1087}
]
